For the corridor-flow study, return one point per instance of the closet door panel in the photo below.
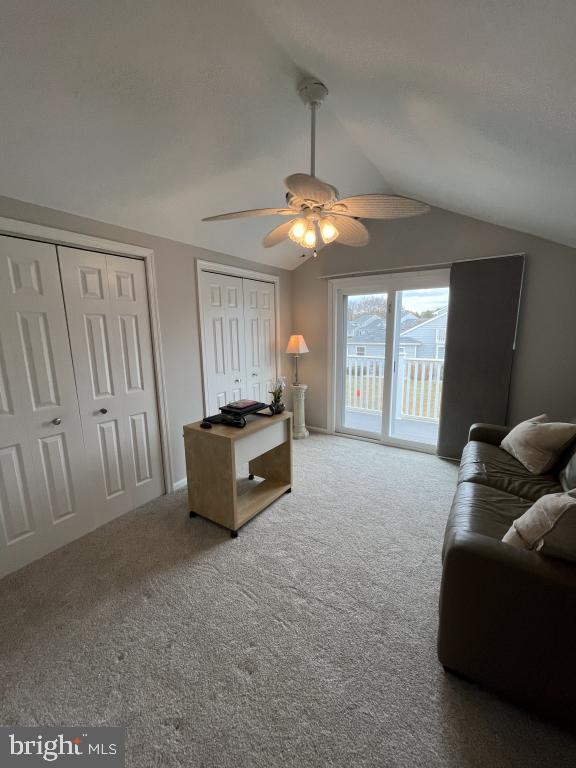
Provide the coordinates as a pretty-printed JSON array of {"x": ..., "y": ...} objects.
[
  {"x": 97, "y": 357},
  {"x": 42, "y": 465},
  {"x": 222, "y": 306},
  {"x": 260, "y": 332},
  {"x": 268, "y": 336},
  {"x": 107, "y": 308},
  {"x": 137, "y": 386}
]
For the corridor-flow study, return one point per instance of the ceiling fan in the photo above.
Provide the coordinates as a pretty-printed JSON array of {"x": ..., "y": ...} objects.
[{"x": 318, "y": 214}]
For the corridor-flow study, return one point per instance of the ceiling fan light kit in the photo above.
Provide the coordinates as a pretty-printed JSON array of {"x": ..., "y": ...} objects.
[
  {"x": 305, "y": 231},
  {"x": 321, "y": 217}
]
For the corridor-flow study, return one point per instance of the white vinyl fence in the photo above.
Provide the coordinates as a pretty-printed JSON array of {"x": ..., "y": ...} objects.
[{"x": 419, "y": 388}]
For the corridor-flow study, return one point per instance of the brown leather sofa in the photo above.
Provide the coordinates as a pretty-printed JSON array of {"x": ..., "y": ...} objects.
[{"x": 507, "y": 616}]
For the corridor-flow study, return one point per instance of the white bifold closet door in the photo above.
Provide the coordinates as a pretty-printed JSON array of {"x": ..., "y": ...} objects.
[
  {"x": 79, "y": 435},
  {"x": 238, "y": 338},
  {"x": 107, "y": 311},
  {"x": 43, "y": 473}
]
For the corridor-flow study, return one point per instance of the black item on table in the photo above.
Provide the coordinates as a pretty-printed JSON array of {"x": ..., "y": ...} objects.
[
  {"x": 228, "y": 420},
  {"x": 252, "y": 407}
]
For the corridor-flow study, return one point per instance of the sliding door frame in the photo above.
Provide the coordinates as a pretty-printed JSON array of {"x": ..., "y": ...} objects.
[
  {"x": 29, "y": 231},
  {"x": 390, "y": 284}
]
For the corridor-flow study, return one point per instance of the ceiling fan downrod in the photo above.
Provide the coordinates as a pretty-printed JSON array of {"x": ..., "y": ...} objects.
[
  {"x": 313, "y": 139},
  {"x": 312, "y": 92}
]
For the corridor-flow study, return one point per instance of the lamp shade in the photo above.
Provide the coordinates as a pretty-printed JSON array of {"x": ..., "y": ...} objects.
[{"x": 297, "y": 345}]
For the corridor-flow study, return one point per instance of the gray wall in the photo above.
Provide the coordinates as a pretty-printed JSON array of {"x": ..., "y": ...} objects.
[
  {"x": 544, "y": 375},
  {"x": 177, "y": 300}
]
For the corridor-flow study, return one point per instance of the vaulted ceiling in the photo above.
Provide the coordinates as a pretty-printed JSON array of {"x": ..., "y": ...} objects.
[{"x": 152, "y": 115}]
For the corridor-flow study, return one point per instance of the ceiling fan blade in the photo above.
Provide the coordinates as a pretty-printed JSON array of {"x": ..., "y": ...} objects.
[
  {"x": 277, "y": 234},
  {"x": 350, "y": 231},
  {"x": 253, "y": 212},
  {"x": 379, "y": 207},
  {"x": 310, "y": 188}
]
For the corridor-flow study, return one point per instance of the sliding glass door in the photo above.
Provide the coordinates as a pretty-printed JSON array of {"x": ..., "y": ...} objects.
[{"x": 389, "y": 356}]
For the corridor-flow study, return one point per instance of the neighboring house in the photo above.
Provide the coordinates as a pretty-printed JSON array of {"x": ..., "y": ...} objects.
[
  {"x": 367, "y": 336},
  {"x": 430, "y": 334},
  {"x": 426, "y": 338}
]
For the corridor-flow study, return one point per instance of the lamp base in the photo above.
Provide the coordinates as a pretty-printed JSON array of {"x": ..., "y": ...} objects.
[
  {"x": 295, "y": 383},
  {"x": 299, "y": 431}
]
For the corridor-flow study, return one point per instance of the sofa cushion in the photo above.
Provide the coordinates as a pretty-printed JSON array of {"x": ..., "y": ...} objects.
[
  {"x": 490, "y": 465},
  {"x": 538, "y": 443},
  {"x": 481, "y": 509},
  {"x": 548, "y": 526}
]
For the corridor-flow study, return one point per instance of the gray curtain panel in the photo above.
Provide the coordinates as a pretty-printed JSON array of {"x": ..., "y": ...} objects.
[{"x": 480, "y": 337}]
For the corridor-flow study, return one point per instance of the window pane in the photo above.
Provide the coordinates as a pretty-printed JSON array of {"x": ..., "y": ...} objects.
[
  {"x": 417, "y": 387},
  {"x": 364, "y": 362}
]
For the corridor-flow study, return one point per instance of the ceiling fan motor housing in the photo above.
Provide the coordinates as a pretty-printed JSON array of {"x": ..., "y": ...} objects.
[{"x": 312, "y": 91}]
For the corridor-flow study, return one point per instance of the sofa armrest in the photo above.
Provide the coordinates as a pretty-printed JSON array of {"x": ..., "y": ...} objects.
[
  {"x": 488, "y": 433},
  {"x": 508, "y": 619}
]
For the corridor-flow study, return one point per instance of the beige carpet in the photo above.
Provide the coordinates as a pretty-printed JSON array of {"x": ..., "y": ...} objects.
[{"x": 309, "y": 641}]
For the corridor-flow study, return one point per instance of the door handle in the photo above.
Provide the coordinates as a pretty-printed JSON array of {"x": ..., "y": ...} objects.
[
  {"x": 57, "y": 422},
  {"x": 254, "y": 374},
  {"x": 237, "y": 381},
  {"x": 103, "y": 410}
]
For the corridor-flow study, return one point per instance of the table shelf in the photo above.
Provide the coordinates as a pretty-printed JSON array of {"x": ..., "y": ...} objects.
[{"x": 258, "y": 498}]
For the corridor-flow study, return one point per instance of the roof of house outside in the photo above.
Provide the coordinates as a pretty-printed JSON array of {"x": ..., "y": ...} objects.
[
  {"x": 440, "y": 312},
  {"x": 370, "y": 328}
]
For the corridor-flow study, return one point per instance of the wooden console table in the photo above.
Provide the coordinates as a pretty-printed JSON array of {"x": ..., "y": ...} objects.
[{"x": 212, "y": 458}]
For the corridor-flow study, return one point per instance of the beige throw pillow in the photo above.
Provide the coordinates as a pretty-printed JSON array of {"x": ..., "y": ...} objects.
[
  {"x": 549, "y": 527},
  {"x": 538, "y": 443}
]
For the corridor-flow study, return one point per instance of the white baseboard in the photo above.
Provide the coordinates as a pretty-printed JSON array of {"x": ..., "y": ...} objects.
[{"x": 180, "y": 484}]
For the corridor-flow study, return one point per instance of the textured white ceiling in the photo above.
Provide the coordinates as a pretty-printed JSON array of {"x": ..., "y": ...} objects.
[{"x": 152, "y": 115}]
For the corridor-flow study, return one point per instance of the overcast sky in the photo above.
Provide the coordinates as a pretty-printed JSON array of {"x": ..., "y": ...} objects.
[
  {"x": 421, "y": 299},
  {"x": 417, "y": 300}
]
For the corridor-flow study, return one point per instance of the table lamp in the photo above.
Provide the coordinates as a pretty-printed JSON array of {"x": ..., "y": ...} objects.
[{"x": 296, "y": 346}]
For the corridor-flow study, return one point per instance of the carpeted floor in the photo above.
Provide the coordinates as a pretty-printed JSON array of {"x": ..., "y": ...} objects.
[{"x": 309, "y": 641}]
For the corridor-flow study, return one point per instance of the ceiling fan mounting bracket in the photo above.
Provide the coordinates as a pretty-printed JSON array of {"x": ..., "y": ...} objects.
[{"x": 312, "y": 91}]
